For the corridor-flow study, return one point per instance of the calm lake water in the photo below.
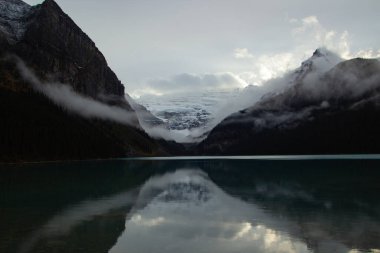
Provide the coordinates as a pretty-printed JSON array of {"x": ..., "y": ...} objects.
[{"x": 312, "y": 204}]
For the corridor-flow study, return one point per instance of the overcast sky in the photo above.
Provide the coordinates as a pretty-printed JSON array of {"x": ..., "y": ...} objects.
[{"x": 162, "y": 46}]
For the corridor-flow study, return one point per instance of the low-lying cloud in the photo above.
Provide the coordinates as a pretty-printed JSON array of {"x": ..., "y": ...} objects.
[
  {"x": 351, "y": 84},
  {"x": 350, "y": 80},
  {"x": 65, "y": 97}
]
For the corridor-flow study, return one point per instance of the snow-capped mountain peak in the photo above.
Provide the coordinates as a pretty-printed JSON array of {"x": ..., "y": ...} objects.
[{"x": 321, "y": 61}]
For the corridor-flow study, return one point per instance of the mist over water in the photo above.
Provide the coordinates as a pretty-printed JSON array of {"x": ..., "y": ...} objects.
[{"x": 192, "y": 206}]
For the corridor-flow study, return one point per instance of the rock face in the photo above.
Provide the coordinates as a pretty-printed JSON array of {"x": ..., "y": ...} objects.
[
  {"x": 323, "y": 111},
  {"x": 49, "y": 41},
  {"x": 13, "y": 19},
  {"x": 33, "y": 127}
]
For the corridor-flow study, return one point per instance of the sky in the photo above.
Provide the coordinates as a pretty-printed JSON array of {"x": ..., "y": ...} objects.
[{"x": 163, "y": 47}]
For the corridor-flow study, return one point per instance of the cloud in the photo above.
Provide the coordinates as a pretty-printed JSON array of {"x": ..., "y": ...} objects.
[
  {"x": 264, "y": 67},
  {"x": 191, "y": 83},
  {"x": 179, "y": 136},
  {"x": 368, "y": 53},
  {"x": 349, "y": 80},
  {"x": 249, "y": 66},
  {"x": 64, "y": 96},
  {"x": 242, "y": 53},
  {"x": 308, "y": 34}
]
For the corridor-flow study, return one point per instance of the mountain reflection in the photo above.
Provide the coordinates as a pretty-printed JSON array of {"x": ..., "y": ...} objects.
[
  {"x": 184, "y": 211},
  {"x": 189, "y": 213},
  {"x": 193, "y": 206},
  {"x": 65, "y": 222}
]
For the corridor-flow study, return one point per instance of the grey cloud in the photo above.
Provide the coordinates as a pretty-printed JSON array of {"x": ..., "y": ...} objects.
[
  {"x": 348, "y": 80},
  {"x": 64, "y": 96},
  {"x": 194, "y": 83}
]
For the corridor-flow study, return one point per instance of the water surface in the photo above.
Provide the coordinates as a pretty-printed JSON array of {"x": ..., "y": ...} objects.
[{"x": 266, "y": 204}]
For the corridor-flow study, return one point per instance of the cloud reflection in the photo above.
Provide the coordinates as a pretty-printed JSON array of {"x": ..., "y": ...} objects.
[
  {"x": 184, "y": 211},
  {"x": 189, "y": 213}
]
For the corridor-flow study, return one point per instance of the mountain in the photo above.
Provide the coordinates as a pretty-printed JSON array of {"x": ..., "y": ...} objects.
[
  {"x": 328, "y": 106},
  {"x": 49, "y": 40},
  {"x": 33, "y": 126}
]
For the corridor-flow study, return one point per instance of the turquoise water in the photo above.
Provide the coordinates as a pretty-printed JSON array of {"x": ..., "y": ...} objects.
[{"x": 224, "y": 204}]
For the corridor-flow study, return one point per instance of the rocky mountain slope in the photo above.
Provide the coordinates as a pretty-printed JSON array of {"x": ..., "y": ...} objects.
[
  {"x": 48, "y": 40},
  {"x": 323, "y": 110},
  {"x": 35, "y": 128}
]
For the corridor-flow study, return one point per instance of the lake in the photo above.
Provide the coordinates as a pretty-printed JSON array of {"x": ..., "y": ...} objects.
[{"x": 262, "y": 204}]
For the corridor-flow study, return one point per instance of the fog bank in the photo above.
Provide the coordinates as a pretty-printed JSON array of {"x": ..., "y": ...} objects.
[{"x": 64, "y": 96}]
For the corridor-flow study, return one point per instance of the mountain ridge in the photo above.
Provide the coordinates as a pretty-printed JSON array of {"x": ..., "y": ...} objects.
[{"x": 317, "y": 114}]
